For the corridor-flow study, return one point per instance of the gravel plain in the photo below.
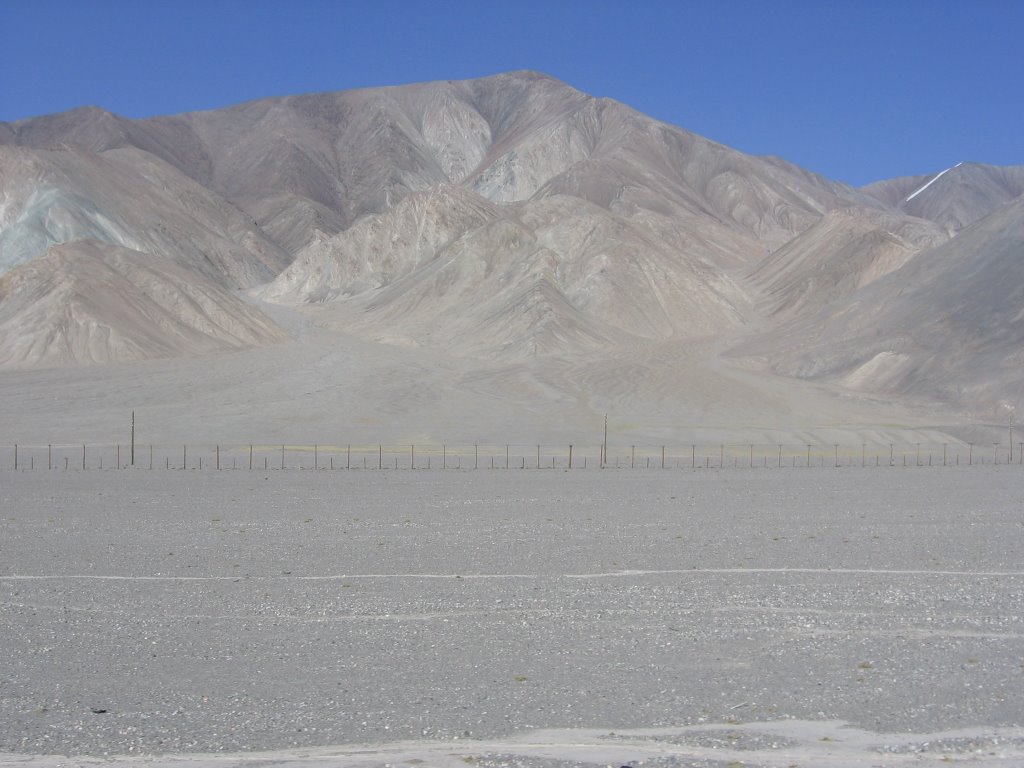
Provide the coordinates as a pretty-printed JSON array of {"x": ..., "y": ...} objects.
[{"x": 507, "y": 617}]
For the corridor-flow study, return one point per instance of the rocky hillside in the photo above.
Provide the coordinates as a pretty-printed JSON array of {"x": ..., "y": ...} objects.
[{"x": 507, "y": 218}]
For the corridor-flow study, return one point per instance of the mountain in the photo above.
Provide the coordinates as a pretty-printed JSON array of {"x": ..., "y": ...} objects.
[
  {"x": 948, "y": 324},
  {"x": 89, "y": 302},
  {"x": 613, "y": 224},
  {"x": 130, "y": 198},
  {"x": 537, "y": 239},
  {"x": 842, "y": 252},
  {"x": 954, "y": 198}
]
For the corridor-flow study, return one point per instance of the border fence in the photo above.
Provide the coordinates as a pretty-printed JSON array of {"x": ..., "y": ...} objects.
[{"x": 381, "y": 456}]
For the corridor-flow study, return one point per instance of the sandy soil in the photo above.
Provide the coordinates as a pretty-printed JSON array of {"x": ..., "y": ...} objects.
[{"x": 329, "y": 386}]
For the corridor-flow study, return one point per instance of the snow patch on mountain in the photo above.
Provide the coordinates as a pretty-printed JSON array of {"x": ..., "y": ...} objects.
[{"x": 921, "y": 189}]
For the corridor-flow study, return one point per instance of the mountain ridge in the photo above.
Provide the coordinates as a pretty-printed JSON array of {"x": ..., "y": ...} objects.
[{"x": 503, "y": 220}]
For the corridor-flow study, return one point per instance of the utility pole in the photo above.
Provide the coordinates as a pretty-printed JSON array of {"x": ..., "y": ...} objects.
[{"x": 604, "y": 447}]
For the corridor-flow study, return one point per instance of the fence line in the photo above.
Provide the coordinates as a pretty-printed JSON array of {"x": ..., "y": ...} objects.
[{"x": 381, "y": 456}]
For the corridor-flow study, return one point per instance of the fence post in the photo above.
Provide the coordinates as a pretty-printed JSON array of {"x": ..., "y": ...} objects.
[
  {"x": 348, "y": 457},
  {"x": 693, "y": 456},
  {"x": 506, "y": 455},
  {"x": 970, "y": 454},
  {"x": 444, "y": 456},
  {"x": 49, "y": 456},
  {"x": 316, "y": 457},
  {"x": 15, "y": 456},
  {"x": 380, "y": 456},
  {"x": 184, "y": 457},
  {"x": 808, "y": 456},
  {"x": 250, "y": 455},
  {"x": 780, "y": 455},
  {"x": 83, "y": 456},
  {"x": 150, "y": 455},
  {"x": 663, "y": 457},
  {"x": 570, "y": 457},
  {"x": 632, "y": 457},
  {"x": 476, "y": 456},
  {"x": 282, "y": 457},
  {"x": 412, "y": 456},
  {"x": 217, "y": 449}
]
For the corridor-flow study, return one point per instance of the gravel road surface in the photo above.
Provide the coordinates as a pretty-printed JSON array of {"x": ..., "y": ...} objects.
[{"x": 507, "y": 617}]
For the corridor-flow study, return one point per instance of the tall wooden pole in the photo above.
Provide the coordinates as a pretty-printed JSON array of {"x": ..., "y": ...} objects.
[{"x": 604, "y": 448}]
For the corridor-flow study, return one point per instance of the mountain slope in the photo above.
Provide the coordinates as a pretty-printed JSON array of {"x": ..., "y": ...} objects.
[
  {"x": 954, "y": 198},
  {"x": 554, "y": 276},
  {"x": 504, "y": 221},
  {"x": 844, "y": 251},
  {"x": 130, "y": 198},
  {"x": 87, "y": 302},
  {"x": 505, "y": 137},
  {"x": 948, "y": 324}
]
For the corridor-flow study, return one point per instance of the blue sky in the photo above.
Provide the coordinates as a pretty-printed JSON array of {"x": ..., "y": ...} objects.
[{"x": 855, "y": 89}]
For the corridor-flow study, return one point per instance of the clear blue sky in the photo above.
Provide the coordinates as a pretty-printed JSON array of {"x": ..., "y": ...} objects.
[{"x": 855, "y": 89}]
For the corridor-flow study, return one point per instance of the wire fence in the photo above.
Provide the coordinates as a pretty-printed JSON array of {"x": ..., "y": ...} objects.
[{"x": 205, "y": 457}]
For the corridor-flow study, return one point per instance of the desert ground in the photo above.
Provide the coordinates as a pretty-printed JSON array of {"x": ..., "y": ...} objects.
[{"x": 679, "y": 617}]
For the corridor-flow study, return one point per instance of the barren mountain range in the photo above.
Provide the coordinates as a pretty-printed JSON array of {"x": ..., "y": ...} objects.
[{"x": 550, "y": 246}]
